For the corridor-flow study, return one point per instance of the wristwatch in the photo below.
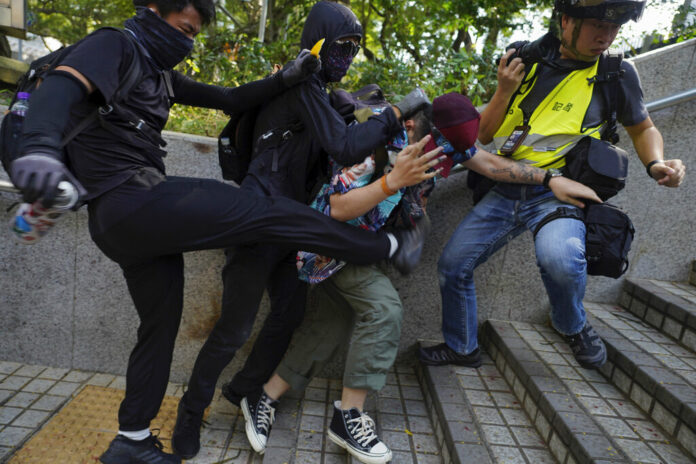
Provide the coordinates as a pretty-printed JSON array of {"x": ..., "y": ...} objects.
[{"x": 553, "y": 172}]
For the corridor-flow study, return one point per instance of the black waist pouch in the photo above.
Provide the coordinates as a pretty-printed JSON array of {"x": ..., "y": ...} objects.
[
  {"x": 608, "y": 238},
  {"x": 599, "y": 165}
]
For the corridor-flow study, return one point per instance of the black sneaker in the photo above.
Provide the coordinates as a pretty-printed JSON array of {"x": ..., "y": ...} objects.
[
  {"x": 231, "y": 396},
  {"x": 588, "y": 348},
  {"x": 441, "y": 354},
  {"x": 259, "y": 414},
  {"x": 411, "y": 243},
  {"x": 186, "y": 438},
  {"x": 123, "y": 450},
  {"x": 355, "y": 432}
]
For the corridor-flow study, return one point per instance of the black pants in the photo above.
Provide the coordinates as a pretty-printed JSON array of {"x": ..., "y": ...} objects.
[
  {"x": 145, "y": 230},
  {"x": 248, "y": 271}
]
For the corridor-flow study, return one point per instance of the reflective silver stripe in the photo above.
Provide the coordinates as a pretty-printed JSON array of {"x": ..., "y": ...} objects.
[{"x": 543, "y": 143}]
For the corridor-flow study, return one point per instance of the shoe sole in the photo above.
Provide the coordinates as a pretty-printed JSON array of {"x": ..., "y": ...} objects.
[
  {"x": 428, "y": 362},
  {"x": 359, "y": 455},
  {"x": 594, "y": 365},
  {"x": 249, "y": 428}
]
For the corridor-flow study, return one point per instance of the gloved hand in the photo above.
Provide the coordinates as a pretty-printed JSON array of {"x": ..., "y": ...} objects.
[
  {"x": 412, "y": 103},
  {"x": 300, "y": 68},
  {"x": 38, "y": 174}
]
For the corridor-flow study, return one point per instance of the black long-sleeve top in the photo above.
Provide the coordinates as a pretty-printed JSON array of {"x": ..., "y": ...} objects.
[{"x": 100, "y": 159}]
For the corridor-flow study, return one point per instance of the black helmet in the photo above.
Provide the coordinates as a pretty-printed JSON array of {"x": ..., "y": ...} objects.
[{"x": 613, "y": 11}]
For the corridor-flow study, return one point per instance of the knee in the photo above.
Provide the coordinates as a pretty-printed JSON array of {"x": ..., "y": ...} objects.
[
  {"x": 451, "y": 270},
  {"x": 392, "y": 315},
  {"x": 562, "y": 258},
  {"x": 385, "y": 317}
]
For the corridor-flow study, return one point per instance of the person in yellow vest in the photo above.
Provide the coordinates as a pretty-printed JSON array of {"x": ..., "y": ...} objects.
[{"x": 546, "y": 101}]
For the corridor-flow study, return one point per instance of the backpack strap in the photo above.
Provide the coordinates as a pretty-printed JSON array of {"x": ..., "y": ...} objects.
[
  {"x": 132, "y": 78},
  {"x": 562, "y": 212},
  {"x": 609, "y": 73}
]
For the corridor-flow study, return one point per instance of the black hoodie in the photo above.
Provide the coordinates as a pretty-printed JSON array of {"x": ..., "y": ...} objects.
[
  {"x": 330, "y": 21},
  {"x": 292, "y": 167}
]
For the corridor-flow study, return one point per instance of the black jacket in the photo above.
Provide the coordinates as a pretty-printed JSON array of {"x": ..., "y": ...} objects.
[{"x": 293, "y": 166}]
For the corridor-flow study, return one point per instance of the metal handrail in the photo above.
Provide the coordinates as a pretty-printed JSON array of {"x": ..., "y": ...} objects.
[{"x": 671, "y": 101}]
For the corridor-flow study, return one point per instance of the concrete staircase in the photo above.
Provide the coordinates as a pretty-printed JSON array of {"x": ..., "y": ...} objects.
[{"x": 531, "y": 402}]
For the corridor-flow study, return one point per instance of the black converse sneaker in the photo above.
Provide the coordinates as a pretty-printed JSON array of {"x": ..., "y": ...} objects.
[
  {"x": 354, "y": 431},
  {"x": 259, "y": 414},
  {"x": 123, "y": 450},
  {"x": 588, "y": 348}
]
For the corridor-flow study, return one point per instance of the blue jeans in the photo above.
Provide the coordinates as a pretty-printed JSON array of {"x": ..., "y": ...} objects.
[{"x": 504, "y": 213}]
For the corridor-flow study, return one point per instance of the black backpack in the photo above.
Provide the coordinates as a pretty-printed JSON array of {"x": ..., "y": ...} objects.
[
  {"x": 236, "y": 142},
  {"x": 11, "y": 126}
]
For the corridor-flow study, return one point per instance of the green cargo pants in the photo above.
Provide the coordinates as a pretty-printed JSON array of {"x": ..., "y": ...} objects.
[{"x": 357, "y": 299}]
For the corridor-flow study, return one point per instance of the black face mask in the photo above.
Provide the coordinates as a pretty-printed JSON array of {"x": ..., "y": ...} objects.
[{"x": 166, "y": 45}]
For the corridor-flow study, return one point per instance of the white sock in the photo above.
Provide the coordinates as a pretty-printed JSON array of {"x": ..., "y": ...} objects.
[
  {"x": 393, "y": 244},
  {"x": 136, "y": 436}
]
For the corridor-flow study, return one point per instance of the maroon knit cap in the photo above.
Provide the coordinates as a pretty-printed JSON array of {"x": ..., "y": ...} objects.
[{"x": 457, "y": 119}]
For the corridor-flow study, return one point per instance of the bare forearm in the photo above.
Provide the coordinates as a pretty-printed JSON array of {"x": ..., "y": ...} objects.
[
  {"x": 492, "y": 117},
  {"x": 504, "y": 169},
  {"x": 356, "y": 202},
  {"x": 649, "y": 145}
]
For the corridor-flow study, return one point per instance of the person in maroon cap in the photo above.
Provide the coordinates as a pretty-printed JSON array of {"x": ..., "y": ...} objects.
[
  {"x": 361, "y": 300},
  {"x": 357, "y": 300}
]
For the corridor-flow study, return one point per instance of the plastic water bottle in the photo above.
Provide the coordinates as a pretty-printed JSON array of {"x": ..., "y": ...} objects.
[
  {"x": 21, "y": 106},
  {"x": 17, "y": 113},
  {"x": 32, "y": 220}
]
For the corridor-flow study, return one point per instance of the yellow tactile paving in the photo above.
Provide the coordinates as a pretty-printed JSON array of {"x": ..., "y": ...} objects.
[{"x": 82, "y": 430}]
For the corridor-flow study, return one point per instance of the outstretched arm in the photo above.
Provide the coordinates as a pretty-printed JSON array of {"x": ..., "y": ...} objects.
[
  {"x": 410, "y": 168},
  {"x": 648, "y": 143},
  {"x": 503, "y": 169}
]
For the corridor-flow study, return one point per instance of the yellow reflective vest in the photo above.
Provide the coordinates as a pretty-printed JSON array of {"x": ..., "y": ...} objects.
[{"x": 556, "y": 123}]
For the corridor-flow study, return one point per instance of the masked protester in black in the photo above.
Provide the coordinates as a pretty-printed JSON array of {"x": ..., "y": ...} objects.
[
  {"x": 286, "y": 166},
  {"x": 141, "y": 218}
]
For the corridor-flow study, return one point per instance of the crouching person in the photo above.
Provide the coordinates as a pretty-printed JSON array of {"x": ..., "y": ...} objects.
[{"x": 352, "y": 299}]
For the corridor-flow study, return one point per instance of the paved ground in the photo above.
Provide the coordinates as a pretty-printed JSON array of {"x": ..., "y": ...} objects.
[{"x": 30, "y": 396}]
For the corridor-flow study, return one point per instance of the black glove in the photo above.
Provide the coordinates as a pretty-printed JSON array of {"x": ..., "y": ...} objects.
[
  {"x": 300, "y": 68},
  {"x": 412, "y": 103},
  {"x": 38, "y": 174}
]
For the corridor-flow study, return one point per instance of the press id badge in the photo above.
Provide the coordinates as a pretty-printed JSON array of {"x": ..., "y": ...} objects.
[{"x": 515, "y": 140}]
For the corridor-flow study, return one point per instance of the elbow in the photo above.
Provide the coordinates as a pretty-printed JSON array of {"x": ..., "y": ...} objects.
[
  {"x": 339, "y": 215},
  {"x": 485, "y": 137},
  {"x": 485, "y": 140}
]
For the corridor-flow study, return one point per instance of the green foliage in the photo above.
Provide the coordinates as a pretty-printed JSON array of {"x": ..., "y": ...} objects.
[
  {"x": 439, "y": 45},
  {"x": 683, "y": 28},
  {"x": 70, "y": 20}
]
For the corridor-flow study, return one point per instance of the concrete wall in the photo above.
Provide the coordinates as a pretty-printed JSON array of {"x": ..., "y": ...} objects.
[{"x": 62, "y": 303}]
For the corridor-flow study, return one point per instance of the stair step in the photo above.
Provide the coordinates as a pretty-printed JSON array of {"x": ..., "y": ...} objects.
[
  {"x": 692, "y": 273},
  {"x": 658, "y": 373},
  {"x": 478, "y": 418},
  {"x": 582, "y": 416},
  {"x": 667, "y": 306}
]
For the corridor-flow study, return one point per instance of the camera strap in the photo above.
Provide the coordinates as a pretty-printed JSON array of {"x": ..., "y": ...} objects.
[{"x": 609, "y": 73}]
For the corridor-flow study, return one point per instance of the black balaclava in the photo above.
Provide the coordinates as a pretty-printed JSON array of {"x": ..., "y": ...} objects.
[
  {"x": 166, "y": 45},
  {"x": 331, "y": 21}
]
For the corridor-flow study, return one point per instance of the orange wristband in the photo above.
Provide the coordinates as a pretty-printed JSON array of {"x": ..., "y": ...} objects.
[{"x": 385, "y": 187}]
